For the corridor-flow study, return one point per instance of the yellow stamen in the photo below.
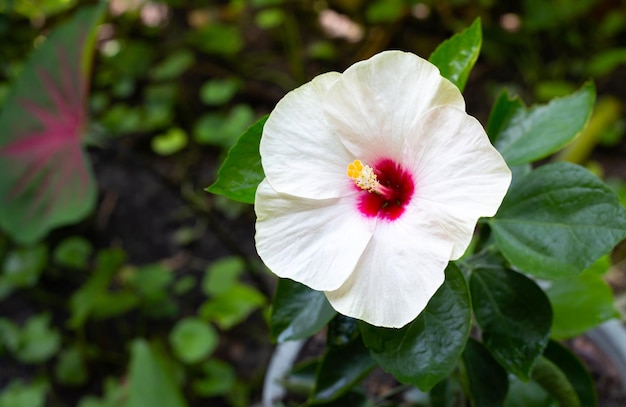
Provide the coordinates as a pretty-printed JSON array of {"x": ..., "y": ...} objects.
[{"x": 365, "y": 178}]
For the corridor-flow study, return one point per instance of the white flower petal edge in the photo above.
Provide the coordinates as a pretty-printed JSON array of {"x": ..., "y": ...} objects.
[
  {"x": 299, "y": 153},
  {"x": 377, "y": 101},
  {"x": 400, "y": 270},
  {"x": 315, "y": 242},
  {"x": 460, "y": 175}
]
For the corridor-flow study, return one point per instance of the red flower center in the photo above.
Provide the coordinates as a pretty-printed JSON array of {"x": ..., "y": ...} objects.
[{"x": 399, "y": 187}]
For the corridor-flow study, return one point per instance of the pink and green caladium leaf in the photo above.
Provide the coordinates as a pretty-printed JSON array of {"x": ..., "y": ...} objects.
[{"x": 45, "y": 179}]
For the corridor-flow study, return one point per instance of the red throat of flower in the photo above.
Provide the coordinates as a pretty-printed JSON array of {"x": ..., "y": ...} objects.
[{"x": 386, "y": 188}]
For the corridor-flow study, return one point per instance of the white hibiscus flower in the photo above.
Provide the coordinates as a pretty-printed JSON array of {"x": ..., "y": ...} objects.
[{"x": 375, "y": 179}]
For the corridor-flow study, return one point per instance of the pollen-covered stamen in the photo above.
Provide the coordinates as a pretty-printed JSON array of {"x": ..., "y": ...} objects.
[{"x": 365, "y": 178}]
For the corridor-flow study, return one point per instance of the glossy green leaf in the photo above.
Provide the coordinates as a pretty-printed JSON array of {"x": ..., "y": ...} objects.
[
  {"x": 45, "y": 177},
  {"x": 297, "y": 311},
  {"x": 557, "y": 221},
  {"x": 341, "y": 330},
  {"x": 241, "y": 173},
  {"x": 352, "y": 398},
  {"x": 579, "y": 304},
  {"x": 150, "y": 380},
  {"x": 193, "y": 340},
  {"x": 555, "y": 383},
  {"x": 574, "y": 371},
  {"x": 514, "y": 316},
  {"x": 445, "y": 393},
  {"x": 427, "y": 349},
  {"x": 340, "y": 369},
  {"x": 456, "y": 56},
  {"x": 524, "y": 135},
  {"x": 487, "y": 380}
]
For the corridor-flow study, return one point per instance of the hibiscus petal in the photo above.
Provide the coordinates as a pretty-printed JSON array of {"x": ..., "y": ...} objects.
[
  {"x": 374, "y": 103},
  {"x": 400, "y": 270},
  {"x": 460, "y": 176},
  {"x": 316, "y": 242},
  {"x": 299, "y": 153}
]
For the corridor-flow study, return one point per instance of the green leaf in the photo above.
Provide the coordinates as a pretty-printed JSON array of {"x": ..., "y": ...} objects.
[
  {"x": 352, "y": 398},
  {"x": 525, "y": 135},
  {"x": 580, "y": 304},
  {"x": 38, "y": 341},
  {"x": 151, "y": 281},
  {"x": 18, "y": 394},
  {"x": 217, "y": 38},
  {"x": 221, "y": 275},
  {"x": 456, "y": 56},
  {"x": 269, "y": 18},
  {"x": 487, "y": 380},
  {"x": 174, "y": 140},
  {"x": 557, "y": 221},
  {"x": 217, "y": 92},
  {"x": 241, "y": 173},
  {"x": 232, "y": 306},
  {"x": 514, "y": 315},
  {"x": 445, "y": 393},
  {"x": 427, "y": 349},
  {"x": 9, "y": 335},
  {"x": 384, "y": 11},
  {"x": 115, "y": 395},
  {"x": 70, "y": 368},
  {"x": 219, "y": 379},
  {"x": 527, "y": 394},
  {"x": 21, "y": 268},
  {"x": 173, "y": 66},
  {"x": 151, "y": 380},
  {"x": 555, "y": 383},
  {"x": 73, "y": 252},
  {"x": 297, "y": 311},
  {"x": 574, "y": 371},
  {"x": 94, "y": 299},
  {"x": 193, "y": 340},
  {"x": 223, "y": 130},
  {"x": 341, "y": 367},
  {"x": 45, "y": 177}
]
